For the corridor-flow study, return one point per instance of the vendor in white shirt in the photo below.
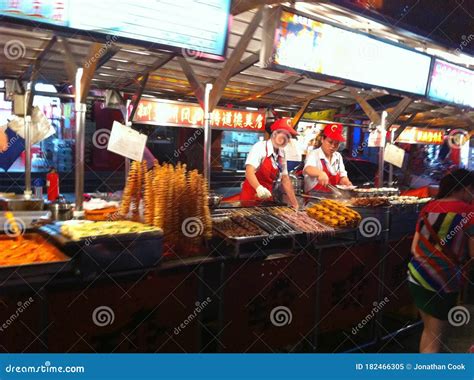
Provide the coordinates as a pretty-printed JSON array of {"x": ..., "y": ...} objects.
[
  {"x": 266, "y": 162},
  {"x": 324, "y": 165}
]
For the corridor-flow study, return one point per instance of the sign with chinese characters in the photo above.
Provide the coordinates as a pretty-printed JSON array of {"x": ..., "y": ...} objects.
[
  {"x": 192, "y": 115},
  {"x": 413, "y": 135}
]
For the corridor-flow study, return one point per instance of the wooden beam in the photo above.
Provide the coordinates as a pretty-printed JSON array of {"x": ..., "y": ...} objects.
[
  {"x": 138, "y": 95},
  {"x": 402, "y": 126},
  {"x": 45, "y": 49},
  {"x": 69, "y": 60},
  {"x": 397, "y": 111},
  {"x": 241, "y": 6},
  {"x": 312, "y": 97},
  {"x": 281, "y": 84},
  {"x": 89, "y": 70},
  {"x": 196, "y": 86},
  {"x": 367, "y": 108},
  {"x": 246, "y": 63},
  {"x": 233, "y": 62},
  {"x": 111, "y": 51}
]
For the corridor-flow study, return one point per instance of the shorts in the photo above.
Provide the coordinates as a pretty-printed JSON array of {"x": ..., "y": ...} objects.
[{"x": 436, "y": 304}]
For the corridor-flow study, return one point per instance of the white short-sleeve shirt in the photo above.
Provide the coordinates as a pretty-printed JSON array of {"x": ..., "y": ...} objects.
[
  {"x": 314, "y": 159},
  {"x": 264, "y": 149}
]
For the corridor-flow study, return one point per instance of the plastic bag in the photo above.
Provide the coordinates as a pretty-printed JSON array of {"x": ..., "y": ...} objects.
[{"x": 41, "y": 128}]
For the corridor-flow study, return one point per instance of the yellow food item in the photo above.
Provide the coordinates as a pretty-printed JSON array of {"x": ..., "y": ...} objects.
[
  {"x": 85, "y": 230},
  {"x": 334, "y": 214}
]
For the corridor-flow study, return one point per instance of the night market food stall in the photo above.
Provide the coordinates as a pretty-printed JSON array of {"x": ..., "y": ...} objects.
[{"x": 183, "y": 274}]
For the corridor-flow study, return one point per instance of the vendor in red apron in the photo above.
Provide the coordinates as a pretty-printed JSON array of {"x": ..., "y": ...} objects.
[
  {"x": 324, "y": 165},
  {"x": 266, "y": 163}
]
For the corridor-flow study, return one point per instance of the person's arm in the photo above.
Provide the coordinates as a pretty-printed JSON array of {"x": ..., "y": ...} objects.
[
  {"x": 345, "y": 181},
  {"x": 289, "y": 191},
  {"x": 251, "y": 177},
  {"x": 313, "y": 169}
]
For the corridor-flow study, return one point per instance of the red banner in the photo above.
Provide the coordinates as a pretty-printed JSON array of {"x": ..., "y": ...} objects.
[{"x": 192, "y": 115}]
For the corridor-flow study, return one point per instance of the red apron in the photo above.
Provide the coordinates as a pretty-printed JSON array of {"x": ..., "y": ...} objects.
[
  {"x": 334, "y": 179},
  {"x": 266, "y": 175}
]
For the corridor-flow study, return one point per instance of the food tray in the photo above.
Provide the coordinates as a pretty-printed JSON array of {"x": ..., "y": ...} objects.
[
  {"x": 28, "y": 272},
  {"x": 110, "y": 253}
]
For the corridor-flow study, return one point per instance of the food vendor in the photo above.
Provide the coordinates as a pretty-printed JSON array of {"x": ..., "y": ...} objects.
[
  {"x": 324, "y": 165},
  {"x": 265, "y": 163}
]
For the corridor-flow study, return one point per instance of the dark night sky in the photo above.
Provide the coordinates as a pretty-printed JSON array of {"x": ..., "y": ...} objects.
[{"x": 449, "y": 22}]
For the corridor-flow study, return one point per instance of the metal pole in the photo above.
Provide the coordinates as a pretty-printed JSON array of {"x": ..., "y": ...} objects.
[
  {"x": 390, "y": 166},
  {"x": 126, "y": 119},
  {"x": 207, "y": 136},
  {"x": 80, "y": 136},
  {"x": 27, "y": 126},
  {"x": 382, "y": 148}
]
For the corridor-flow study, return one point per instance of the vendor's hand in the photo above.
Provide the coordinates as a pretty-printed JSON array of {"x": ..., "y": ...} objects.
[
  {"x": 323, "y": 179},
  {"x": 345, "y": 182},
  {"x": 263, "y": 192}
]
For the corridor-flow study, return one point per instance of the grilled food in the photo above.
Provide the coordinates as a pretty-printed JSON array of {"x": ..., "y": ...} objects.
[{"x": 334, "y": 214}]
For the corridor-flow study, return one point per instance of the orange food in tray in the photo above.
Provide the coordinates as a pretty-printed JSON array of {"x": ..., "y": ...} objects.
[{"x": 28, "y": 250}]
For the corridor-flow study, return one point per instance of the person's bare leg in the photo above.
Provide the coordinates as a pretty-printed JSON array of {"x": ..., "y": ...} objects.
[{"x": 432, "y": 335}]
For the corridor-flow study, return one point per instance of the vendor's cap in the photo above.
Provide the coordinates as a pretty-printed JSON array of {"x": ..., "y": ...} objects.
[
  {"x": 285, "y": 125},
  {"x": 334, "y": 131}
]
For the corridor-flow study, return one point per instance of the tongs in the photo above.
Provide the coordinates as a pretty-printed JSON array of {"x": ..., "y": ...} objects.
[{"x": 337, "y": 193}]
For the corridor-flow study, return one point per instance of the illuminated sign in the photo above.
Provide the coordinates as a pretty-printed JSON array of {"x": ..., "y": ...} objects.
[
  {"x": 320, "y": 49},
  {"x": 413, "y": 135},
  {"x": 451, "y": 83},
  {"x": 192, "y": 115},
  {"x": 194, "y": 26}
]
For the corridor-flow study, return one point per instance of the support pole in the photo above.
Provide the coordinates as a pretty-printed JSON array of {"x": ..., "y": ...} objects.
[
  {"x": 382, "y": 130},
  {"x": 127, "y": 119},
  {"x": 207, "y": 136},
  {"x": 80, "y": 136},
  {"x": 27, "y": 126}
]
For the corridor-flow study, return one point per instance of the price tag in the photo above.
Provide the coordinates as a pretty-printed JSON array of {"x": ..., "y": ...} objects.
[
  {"x": 127, "y": 142},
  {"x": 394, "y": 155}
]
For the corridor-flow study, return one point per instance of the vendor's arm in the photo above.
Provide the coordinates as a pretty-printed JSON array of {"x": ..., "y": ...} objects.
[
  {"x": 313, "y": 168},
  {"x": 251, "y": 177},
  {"x": 289, "y": 191},
  {"x": 319, "y": 174}
]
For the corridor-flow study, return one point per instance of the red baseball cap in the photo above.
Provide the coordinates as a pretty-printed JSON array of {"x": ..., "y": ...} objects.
[
  {"x": 334, "y": 131},
  {"x": 285, "y": 125}
]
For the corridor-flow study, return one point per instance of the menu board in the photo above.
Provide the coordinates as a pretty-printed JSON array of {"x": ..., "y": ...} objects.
[
  {"x": 315, "y": 47},
  {"x": 187, "y": 24},
  {"x": 451, "y": 83}
]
